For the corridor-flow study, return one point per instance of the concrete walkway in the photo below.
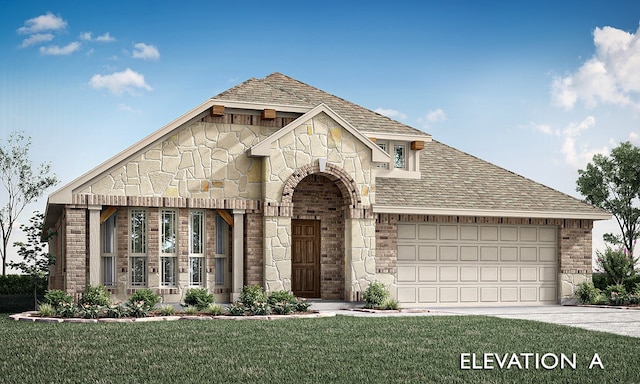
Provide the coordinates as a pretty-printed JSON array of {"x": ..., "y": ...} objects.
[{"x": 605, "y": 319}]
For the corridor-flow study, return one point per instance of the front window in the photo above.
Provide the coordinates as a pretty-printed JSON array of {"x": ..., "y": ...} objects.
[
  {"x": 138, "y": 247},
  {"x": 383, "y": 146},
  {"x": 399, "y": 154},
  {"x": 222, "y": 238},
  {"x": 196, "y": 248},
  {"x": 108, "y": 250},
  {"x": 169, "y": 255}
]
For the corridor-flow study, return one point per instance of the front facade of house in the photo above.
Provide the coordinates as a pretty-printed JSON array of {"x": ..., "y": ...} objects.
[{"x": 276, "y": 183}]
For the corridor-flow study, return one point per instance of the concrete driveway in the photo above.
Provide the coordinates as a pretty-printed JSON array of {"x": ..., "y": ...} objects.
[{"x": 613, "y": 320}]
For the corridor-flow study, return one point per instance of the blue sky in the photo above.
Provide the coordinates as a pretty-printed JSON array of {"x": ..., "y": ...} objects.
[{"x": 535, "y": 87}]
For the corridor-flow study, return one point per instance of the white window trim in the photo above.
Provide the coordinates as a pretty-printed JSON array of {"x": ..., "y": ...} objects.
[
  {"x": 225, "y": 252},
  {"x": 138, "y": 255},
  {"x": 411, "y": 161},
  {"x": 169, "y": 256},
  {"x": 112, "y": 255},
  {"x": 199, "y": 255}
]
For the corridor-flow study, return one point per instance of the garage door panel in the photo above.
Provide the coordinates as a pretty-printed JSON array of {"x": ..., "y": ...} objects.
[
  {"x": 469, "y": 294},
  {"x": 428, "y": 295},
  {"x": 427, "y": 232},
  {"x": 508, "y": 274},
  {"x": 528, "y": 254},
  {"x": 468, "y": 253},
  {"x": 407, "y": 274},
  {"x": 489, "y": 294},
  {"x": 508, "y": 254},
  {"x": 449, "y": 274},
  {"x": 428, "y": 252},
  {"x": 529, "y": 274},
  {"x": 448, "y": 295},
  {"x": 448, "y": 253},
  {"x": 406, "y": 252},
  {"x": 474, "y": 264},
  {"x": 468, "y": 274},
  {"x": 489, "y": 253},
  {"x": 509, "y": 294},
  {"x": 489, "y": 274},
  {"x": 427, "y": 274}
]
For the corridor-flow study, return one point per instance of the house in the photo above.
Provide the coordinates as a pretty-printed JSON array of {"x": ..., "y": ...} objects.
[{"x": 277, "y": 183}]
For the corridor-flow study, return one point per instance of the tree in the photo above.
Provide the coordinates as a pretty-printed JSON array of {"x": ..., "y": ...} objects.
[
  {"x": 23, "y": 184},
  {"x": 613, "y": 183},
  {"x": 35, "y": 260}
]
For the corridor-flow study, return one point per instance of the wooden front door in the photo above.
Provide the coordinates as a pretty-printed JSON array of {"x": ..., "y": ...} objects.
[{"x": 305, "y": 266}]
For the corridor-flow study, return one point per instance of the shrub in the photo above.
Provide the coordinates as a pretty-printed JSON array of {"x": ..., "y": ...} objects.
[
  {"x": 46, "y": 310},
  {"x": 375, "y": 295},
  {"x": 147, "y": 296},
  {"x": 390, "y": 304},
  {"x": 199, "y": 298},
  {"x": 213, "y": 309},
  {"x": 137, "y": 308},
  {"x": 90, "y": 311},
  {"x": 254, "y": 300},
  {"x": 22, "y": 284},
  {"x": 95, "y": 295},
  {"x": 617, "y": 294},
  {"x": 617, "y": 265},
  {"x": 282, "y": 302},
  {"x": 56, "y": 297},
  {"x": 302, "y": 305},
  {"x": 190, "y": 310},
  {"x": 115, "y": 311},
  {"x": 587, "y": 293},
  {"x": 65, "y": 309},
  {"x": 600, "y": 280},
  {"x": 237, "y": 309},
  {"x": 166, "y": 310}
]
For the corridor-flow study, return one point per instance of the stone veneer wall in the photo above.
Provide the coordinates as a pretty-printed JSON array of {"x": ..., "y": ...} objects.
[
  {"x": 318, "y": 198},
  {"x": 574, "y": 245},
  {"x": 203, "y": 160}
]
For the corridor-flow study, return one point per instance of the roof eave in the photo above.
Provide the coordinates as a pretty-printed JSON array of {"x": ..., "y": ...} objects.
[{"x": 492, "y": 213}]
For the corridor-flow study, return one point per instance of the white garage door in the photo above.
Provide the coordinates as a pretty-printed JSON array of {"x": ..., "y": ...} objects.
[{"x": 476, "y": 264}]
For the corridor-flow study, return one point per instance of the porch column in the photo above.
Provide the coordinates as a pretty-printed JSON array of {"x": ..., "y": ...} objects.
[
  {"x": 238, "y": 253},
  {"x": 94, "y": 244}
]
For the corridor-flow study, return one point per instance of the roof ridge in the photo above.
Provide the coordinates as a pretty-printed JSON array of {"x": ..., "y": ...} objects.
[{"x": 274, "y": 74}]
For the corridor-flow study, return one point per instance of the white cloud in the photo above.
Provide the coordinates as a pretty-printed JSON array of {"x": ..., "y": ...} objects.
[
  {"x": 575, "y": 156},
  {"x": 55, "y": 50},
  {"x": 145, "y": 52},
  {"x": 432, "y": 116},
  {"x": 634, "y": 138},
  {"x": 36, "y": 39},
  {"x": 48, "y": 22},
  {"x": 118, "y": 82},
  {"x": 436, "y": 115},
  {"x": 610, "y": 76},
  {"x": 392, "y": 113},
  {"x": 127, "y": 108},
  {"x": 104, "y": 38},
  {"x": 543, "y": 128}
]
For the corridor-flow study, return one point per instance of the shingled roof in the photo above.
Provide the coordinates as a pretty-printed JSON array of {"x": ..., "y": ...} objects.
[
  {"x": 280, "y": 89},
  {"x": 454, "y": 181}
]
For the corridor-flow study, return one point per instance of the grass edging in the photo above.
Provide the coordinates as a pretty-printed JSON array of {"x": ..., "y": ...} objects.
[{"x": 32, "y": 316}]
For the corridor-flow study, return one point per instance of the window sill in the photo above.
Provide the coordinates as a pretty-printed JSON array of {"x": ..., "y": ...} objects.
[{"x": 398, "y": 173}]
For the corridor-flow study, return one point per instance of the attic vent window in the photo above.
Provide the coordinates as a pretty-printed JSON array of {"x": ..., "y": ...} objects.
[{"x": 217, "y": 110}]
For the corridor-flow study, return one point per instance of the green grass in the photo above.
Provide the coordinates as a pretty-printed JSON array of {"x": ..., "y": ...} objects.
[{"x": 340, "y": 349}]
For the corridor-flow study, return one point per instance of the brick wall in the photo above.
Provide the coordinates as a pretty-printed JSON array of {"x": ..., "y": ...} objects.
[
  {"x": 386, "y": 243},
  {"x": 253, "y": 248},
  {"x": 318, "y": 198},
  {"x": 574, "y": 246},
  {"x": 76, "y": 249}
]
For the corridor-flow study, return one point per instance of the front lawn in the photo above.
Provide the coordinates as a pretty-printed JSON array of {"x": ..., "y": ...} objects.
[{"x": 339, "y": 349}]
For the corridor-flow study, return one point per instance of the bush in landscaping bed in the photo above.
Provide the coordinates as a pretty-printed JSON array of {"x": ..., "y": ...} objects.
[
  {"x": 199, "y": 298},
  {"x": 95, "y": 295},
  {"x": 587, "y": 293},
  {"x": 56, "y": 297},
  {"x": 375, "y": 295}
]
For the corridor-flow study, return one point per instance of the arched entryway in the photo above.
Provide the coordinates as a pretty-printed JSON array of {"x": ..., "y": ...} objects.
[{"x": 317, "y": 234}]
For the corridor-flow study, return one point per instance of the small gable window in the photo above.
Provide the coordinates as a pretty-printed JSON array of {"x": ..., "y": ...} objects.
[{"x": 399, "y": 156}]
